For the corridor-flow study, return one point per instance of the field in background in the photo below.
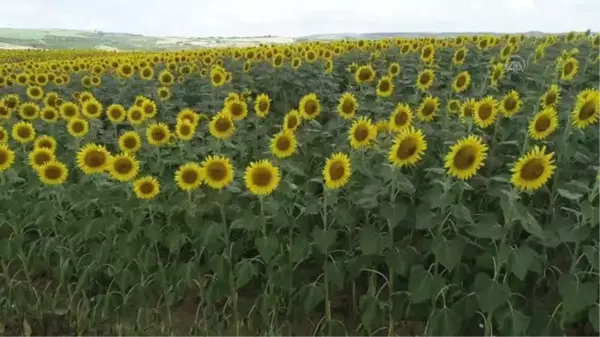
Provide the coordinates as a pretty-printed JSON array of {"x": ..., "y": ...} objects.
[{"x": 398, "y": 186}]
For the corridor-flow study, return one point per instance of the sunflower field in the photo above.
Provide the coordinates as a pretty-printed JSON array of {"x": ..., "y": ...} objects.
[{"x": 428, "y": 186}]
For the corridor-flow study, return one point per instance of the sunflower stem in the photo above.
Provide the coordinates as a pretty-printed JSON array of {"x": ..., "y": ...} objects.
[
  {"x": 234, "y": 294},
  {"x": 263, "y": 220},
  {"x": 391, "y": 323},
  {"x": 325, "y": 275}
]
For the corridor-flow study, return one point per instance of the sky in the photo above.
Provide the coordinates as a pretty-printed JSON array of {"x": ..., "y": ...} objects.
[{"x": 299, "y": 18}]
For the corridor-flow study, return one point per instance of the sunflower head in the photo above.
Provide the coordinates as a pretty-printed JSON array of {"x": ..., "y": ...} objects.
[
  {"x": 189, "y": 115},
  {"x": 53, "y": 173},
  {"x": 146, "y": 187},
  {"x": 130, "y": 142},
  {"x": 91, "y": 108},
  {"x": 40, "y": 156},
  {"x": 459, "y": 56},
  {"x": 543, "y": 124},
  {"x": 7, "y": 157},
  {"x": 218, "y": 171},
  {"x": 189, "y": 176},
  {"x": 551, "y": 96},
  {"x": 425, "y": 79},
  {"x": 35, "y": 93},
  {"x": 292, "y": 120},
  {"x": 409, "y": 147},
  {"x": 401, "y": 117},
  {"x": 283, "y": 144},
  {"x": 184, "y": 130},
  {"x": 454, "y": 106},
  {"x": 466, "y": 157},
  {"x": 78, "y": 127},
  {"x": 364, "y": 74},
  {"x": 394, "y": 69},
  {"x": 23, "y": 132},
  {"x": 262, "y": 105},
  {"x": 135, "y": 115},
  {"x": 587, "y": 108},
  {"x": 262, "y": 177},
  {"x": 337, "y": 171},
  {"x": 485, "y": 112},
  {"x": 569, "y": 68},
  {"x": 29, "y": 111},
  {"x": 347, "y": 105},
  {"x": 158, "y": 134},
  {"x": 510, "y": 104},
  {"x": 116, "y": 113},
  {"x": 149, "y": 108},
  {"x": 533, "y": 170},
  {"x": 69, "y": 110},
  {"x": 93, "y": 158},
  {"x": 44, "y": 142},
  {"x": 163, "y": 93},
  {"x": 385, "y": 87},
  {"x": 221, "y": 126},
  {"x": 166, "y": 78},
  {"x": 461, "y": 81},
  {"x": 428, "y": 108},
  {"x": 362, "y": 133}
]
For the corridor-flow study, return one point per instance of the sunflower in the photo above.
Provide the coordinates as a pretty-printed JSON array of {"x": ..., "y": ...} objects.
[
  {"x": 364, "y": 74},
  {"x": 11, "y": 101},
  {"x": 189, "y": 115},
  {"x": 461, "y": 82},
  {"x": 466, "y": 157},
  {"x": 189, "y": 176},
  {"x": 533, "y": 170},
  {"x": 130, "y": 142},
  {"x": 91, "y": 108},
  {"x": 40, "y": 156},
  {"x": 166, "y": 78},
  {"x": 587, "y": 109},
  {"x": 425, "y": 79},
  {"x": 262, "y": 105},
  {"x": 283, "y": 144},
  {"x": 45, "y": 142},
  {"x": 221, "y": 126},
  {"x": 262, "y": 177},
  {"x": 237, "y": 109},
  {"x": 146, "y": 187},
  {"x": 510, "y": 104},
  {"x": 409, "y": 147},
  {"x": 7, "y": 157},
  {"x": 5, "y": 112},
  {"x": 292, "y": 120},
  {"x": 467, "y": 108},
  {"x": 385, "y": 87},
  {"x": 218, "y": 171},
  {"x": 543, "y": 124},
  {"x": 78, "y": 127},
  {"x": 35, "y": 93},
  {"x": 394, "y": 69},
  {"x": 551, "y": 96},
  {"x": 497, "y": 73},
  {"x": 459, "y": 56},
  {"x": 427, "y": 53},
  {"x": 135, "y": 115},
  {"x": 486, "y": 111},
  {"x": 347, "y": 105},
  {"x": 184, "y": 130},
  {"x": 29, "y": 111},
  {"x": 23, "y": 132},
  {"x": 362, "y": 133},
  {"x": 158, "y": 134},
  {"x": 401, "y": 117},
  {"x": 232, "y": 96},
  {"x": 53, "y": 173},
  {"x": 163, "y": 93},
  {"x": 49, "y": 114},
  {"x": 93, "y": 158},
  {"x": 217, "y": 76},
  {"x": 310, "y": 107},
  {"x": 125, "y": 70},
  {"x": 147, "y": 73},
  {"x": 123, "y": 167},
  {"x": 116, "y": 113},
  {"x": 454, "y": 106},
  {"x": 69, "y": 110},
  {"x": 337, "y": 171},
  {"x": 149, "y": 108},
  {"x": 428, "y": 108},
  {"x": 3, "y": 135},
  {"x": 569, "y": 68}
]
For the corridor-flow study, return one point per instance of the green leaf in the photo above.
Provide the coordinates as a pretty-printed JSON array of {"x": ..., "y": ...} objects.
[
  {"x": 512, "y": 322},
  {"x": 335, "y": 274},
  {"x": 528, "y": 222},
  {"x": 424, "y": 217},
  {"x": 569, "y": 195},
  {"x": 368, "y": 240},
  {"x": 369, "y": 311},
  {"x": 393, "y": 213},
  {"x": 444, "y": 322},
  {"x": 401, "y": 260},
  {"x": 490, "y": 294},
  {"x": 315, "y": 294},
  {"x": 244, "y": 273},
  {"x": 461, "y": 212},
  {"x": 543, "y": 324},
  {"x": 422, "y": 285},
  {"x": 576, "y": 295},
  {"x": 520, "y": 260},
  {"x": 247, "y": 221},
  {"x": 323, "y": 239},
  {"x": 591, "y": 253},
  {"x": 267, "y": 247},
  {"x": 594, "y": 318},
  {"x": 487, "y": 227},
  {"x": 448, "y": 252}
]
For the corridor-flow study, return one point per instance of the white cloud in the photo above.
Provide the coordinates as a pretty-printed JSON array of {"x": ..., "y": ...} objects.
[{"x": 294, "y": 18}]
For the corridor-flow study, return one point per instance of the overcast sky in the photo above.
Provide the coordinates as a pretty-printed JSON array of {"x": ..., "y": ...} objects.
[{"x": 303, "y": 17}]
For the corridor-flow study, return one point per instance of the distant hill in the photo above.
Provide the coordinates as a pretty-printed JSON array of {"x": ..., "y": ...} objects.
[{"x": 11, "y": 38}]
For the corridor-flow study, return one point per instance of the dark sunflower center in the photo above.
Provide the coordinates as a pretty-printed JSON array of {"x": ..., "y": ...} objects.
[
  {"x": 401, "y": 118},
  {"x": 147, "y": 187},
  {"x": 69, "y": 111},
  {"x": 468, "y": 111},
  {"x": 236, "y": 109},
  {"x": 3, "y": 134},
  {"x": 77, "y": 127},
  {"x": 223, "y": 124},
  {"x": 464, "y": 158},
  {"x": 364, "y": 75},
  {"x": 426, "y": 53},
  {"x": 348, "y": 106},
  {"x": 146, "y": 73},
  {"x": 292, "y": 122},
  {"x": 407, "y": 148},
  {"x": 136, "y": 115},
  {"x": 460, "y": 55},
  {"x": 185, "y": 129},
  {"x": 3, "y": 157},
  {"x": 394, "y": 69},
  {"x": 263, "y": 106},
  {"x": 384, "y": 86},
  {"x": 484, "y": 111},
  {"x": 428, "y": 109},
  {"x": 217, "y": 78},
  {"x": 216, "y": 171},
  {"x": 261, "y": 176},
  {"x": 24, "y": 132},
  {"x": 95, "y": 159},
  {"x": 115, "y": 113},
  {"x": 509, "y": 104},
  {"x": 29, "y": 111},
  {"x": 11, "y": 103},
  {"x": 542, "y": 124},
  {"x": 336, "y": 170},
  {"x": 310, "y": 107},
  {"x": 189, "y": 176},
  {"x": 3, "y": 111},
  {"x": 533, "y": 169},
  {"x": 163, "y": 93},
  {"x": 167, "y": 78},
  {"x": 42, "y": 144},
  {"x": 283, "y": 143},
  {"x": 49, "y": 114},
  {"x": 139, "y": 102},
  {"x": 52, "y": 172},
  {"x": 35, "y": 92},
  {"x": 496, "y": 74},
  {"x": 130, "y": 142},
  {"x": 148, "y": 109},
  {"x": 41, "y": 158},
  {"x": 424, "y": 79},
  {"x": 454, "y": 106},
  {"x": 550, "y": 98},
  {"x": 361, "y": 133},
  {"x": 158, "y": 134},
  {"x": 92, "y": 109},
  {"x": 123, "y": 165},
  {"x": 460, "y": 81},
  {"x": 587, "y": 110},
  {"x": 568, "y": 69}
]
